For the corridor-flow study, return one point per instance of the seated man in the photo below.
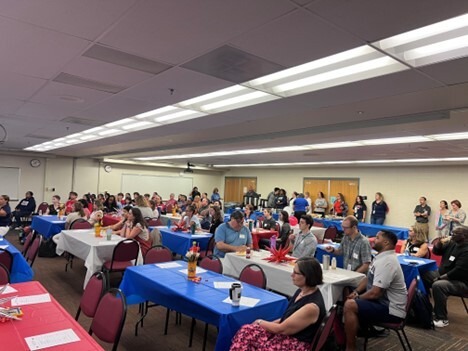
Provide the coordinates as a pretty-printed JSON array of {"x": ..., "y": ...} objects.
[
  {"x": 382, "y": 296},
  {"x": 232, "y": 236},
  {"x": 452, "y": 276},
  {"x": 305, "y": 242},
  {"x": 24, "y": 208},
  {"x": 268, "y": 221}
]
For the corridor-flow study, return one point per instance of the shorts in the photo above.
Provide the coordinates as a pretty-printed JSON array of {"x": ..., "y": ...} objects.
[{"x": 372, "y": 312}]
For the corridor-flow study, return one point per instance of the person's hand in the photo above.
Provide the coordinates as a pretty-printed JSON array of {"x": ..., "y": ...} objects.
[
  {"x": 292, "y": 236},
  {"x": 353, "y": 295},
  {"x": 241, "y": 248},
  {"x": 329, "y": 249}
]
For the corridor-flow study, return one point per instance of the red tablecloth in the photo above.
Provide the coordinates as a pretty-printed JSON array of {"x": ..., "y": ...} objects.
[
  {"x": 110, "y": 219},
  {"x": 39, "y": 319},
  {"x": 258, "y": 234}
]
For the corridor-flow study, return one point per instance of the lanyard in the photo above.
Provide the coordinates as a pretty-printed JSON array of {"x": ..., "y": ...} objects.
[
  {"x": 350, "y": 255},
  {"x": 300, "y": 242}
]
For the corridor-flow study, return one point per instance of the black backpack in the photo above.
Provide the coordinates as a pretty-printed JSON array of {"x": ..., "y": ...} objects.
[{"x": 420, "y": 314}]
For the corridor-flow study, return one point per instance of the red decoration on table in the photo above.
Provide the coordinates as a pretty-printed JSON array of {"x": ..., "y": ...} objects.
[
  {"x": 279, "y": 255},
  {"x": 178, "y": 228}
]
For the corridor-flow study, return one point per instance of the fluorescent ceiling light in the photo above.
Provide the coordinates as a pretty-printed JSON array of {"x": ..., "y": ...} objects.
[
  {"x": 449, "y": 136},
  {"x": 336, "y": 145},
  {"x": 120, "y": 122},
  {"x": 89, "y": 137},
  {"x": 402, "y": 140},
  {"x": 138, "y": 125},
  {"x": 436, "y": 48},
  {"x": 212, "y": 96},
  {"x": 109, "y": 132},
  {"x": 179, "y": 115}
]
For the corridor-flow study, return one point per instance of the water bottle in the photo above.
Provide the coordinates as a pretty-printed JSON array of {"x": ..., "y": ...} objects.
[
  {"x": 407, "y": 252},
  {"x": 169, "y": 224},
  {"x": 333, "y": 263},
  {"x": 326, "y": 262},
  {"x": 273, "y": 242}
]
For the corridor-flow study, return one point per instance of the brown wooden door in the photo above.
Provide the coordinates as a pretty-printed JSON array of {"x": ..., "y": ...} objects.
[
  {"x": 313, "y": 186},
  {"x": 236, "y": 187},
  {"x": 348, "y": 187}
]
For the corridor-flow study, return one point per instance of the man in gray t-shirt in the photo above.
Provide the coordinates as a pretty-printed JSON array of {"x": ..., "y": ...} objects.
[
  {"x": 305, "y": 242},
  {"x": 382, "y": 296}
]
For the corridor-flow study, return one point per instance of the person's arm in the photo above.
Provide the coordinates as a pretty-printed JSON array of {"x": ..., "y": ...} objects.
[
  {"x": 117, "y": 226},
  {"x": 299, "y": 320},
  {"x": 422, "y": 252},
  {"x": 133, "y": 232},
  {"x": 360, "y": 289},
  {"x": 222, "y": 246},
  {"x": 363, "y": 268},
  {"x": 403, "y": 246},
  {"x": 3, "y": 213},
  {"x": 416, "y": 212}
]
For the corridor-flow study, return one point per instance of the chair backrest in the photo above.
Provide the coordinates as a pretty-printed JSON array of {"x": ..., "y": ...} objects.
[
  {"x": 80, "y": 223},
  {"x": 6, "y": 258},
  {"x": 92, "y": 294},
  {"x": 28, "y": 241},
  {"x": 428, "y": 254},
  {"x": 4, "y": 275},
  {"x": 33, "y": 250},
  {"x": 158, "y": 254},
  {"x": 209, "y": 248},
  {"x": 278, "y": 228},
  {"x": 253, "y": 274},
  {"x": 212, "y": 263},
  {"x": 42, "y": 208},
  {"x": 318, "y": 224},
  {"x": 153, "y": 222},
  {"x": 126, "y": 250},
  {"x": 411, "y": 293},
  {"x": 110, "y": 317},
  {"x": 330, "y": 233},
  {"x": 325, "y": 330}
]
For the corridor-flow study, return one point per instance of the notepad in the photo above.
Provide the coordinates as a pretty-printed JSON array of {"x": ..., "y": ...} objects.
[
  {"x": 30, "y": 300},
  {"x": 4, "y": 247},
  {"x": 168, "y": 265},
  {"x": 9, "y": 290},
  {"x": 43, "y": 341},
  {"x": 244, "y": 301},
  {"x": 195, "y": 236},
  {"x": 223, "y": 285},
  {"x": 412, "y": 261},
  {"x": 199, "y": 270}
]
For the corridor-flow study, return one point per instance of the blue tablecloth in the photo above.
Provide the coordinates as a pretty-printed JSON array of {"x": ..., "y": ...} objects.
[
  {"x": 170, "y": 288},
  {"x": 47, "y": 226},
  {"x": 20, "y": 272},
  {"x": 180, "y": 243},
  {"x": 411, "y": 269},
  {"x": 367, "y": 229},
  {"x": 321, "y": 251}
]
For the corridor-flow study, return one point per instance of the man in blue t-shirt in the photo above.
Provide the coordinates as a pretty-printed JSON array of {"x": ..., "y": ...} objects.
[
  {"x": 232, "y": 236},
  {"x": 300, "y": 206}
]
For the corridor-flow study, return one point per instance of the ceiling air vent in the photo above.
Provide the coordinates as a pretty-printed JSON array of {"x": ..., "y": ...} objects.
[
  {"x": 87, "y": 83},
  {"x": 81, "y": 121}
]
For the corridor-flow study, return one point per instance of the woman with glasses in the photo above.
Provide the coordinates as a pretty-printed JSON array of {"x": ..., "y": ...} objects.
[{"x": 296, "y": 329}]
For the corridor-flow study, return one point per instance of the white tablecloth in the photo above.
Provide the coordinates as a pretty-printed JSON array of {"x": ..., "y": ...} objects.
[
  {"x": 279, "y": 276},
  {"x": 83, "y": 244}
]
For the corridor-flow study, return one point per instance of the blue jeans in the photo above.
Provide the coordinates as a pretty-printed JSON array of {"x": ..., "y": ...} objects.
[{"x": 378, "y": 220}]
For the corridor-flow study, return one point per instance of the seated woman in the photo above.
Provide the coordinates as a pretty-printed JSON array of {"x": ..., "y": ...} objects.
[
  {"x": 97, "y": 213},
  {"x": 416, "y": 243},
  {"x": 301, "y": 320},
  {"x": 120, "y": 227},
  {"x": 85, "y": 207},
  {"x": 249, "y": 213},
  {"x": 110, "y": 205},
  {"x": 216, "y": 218},
  {"x": 143, "y": 205},
  {"x": 283, "y": 234},
  {"x": 76, "y": 214},
  {"x": 54, "y": 207},
  {"x": 138, "y": 229}
]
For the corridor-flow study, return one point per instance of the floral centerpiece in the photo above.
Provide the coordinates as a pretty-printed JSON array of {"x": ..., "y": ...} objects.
[
  {"x": 192, "y": 258},
  {"x": 279, "y": 255}
]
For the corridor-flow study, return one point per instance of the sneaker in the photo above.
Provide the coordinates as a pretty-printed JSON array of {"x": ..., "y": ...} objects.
[{"x": 440, "y": 323}]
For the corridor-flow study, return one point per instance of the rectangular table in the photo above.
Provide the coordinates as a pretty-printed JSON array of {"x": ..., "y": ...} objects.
[
  {"x": 40, "y": 319},
  {"x": 83, "y": 244},
  {"x": 366, "y": 228},
  {"x": 180, "y": 242},
  {"x": 415, "y": 266},
  {"x": 47, "y": 226},
  {"x": 20, "y": 271},
  {"x": 279, "y": 276},
  {"x": 171, "y": 288},
  {"x": 165, "y": 218}
]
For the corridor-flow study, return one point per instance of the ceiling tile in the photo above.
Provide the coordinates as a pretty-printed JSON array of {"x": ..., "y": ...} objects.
[
  {"x": 450, "y": 72},
  {"x": 48, "y": 112},
  {"x": 18, "y": 86},
  {"x": 9, "y": 105}
]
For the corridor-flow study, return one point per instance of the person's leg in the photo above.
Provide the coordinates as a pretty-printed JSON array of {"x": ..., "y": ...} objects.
[
  {"x": 372, "y": 220},
  {"x": 17, "y": 215},
  {"x": 442, "y": 289},
  {"x": 428, "y": 278},
  {"x": 379, "y": 221},
  {"x": 351, "y": 324}
]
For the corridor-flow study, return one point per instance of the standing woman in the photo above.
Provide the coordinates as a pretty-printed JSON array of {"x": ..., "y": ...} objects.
[
  {"x": 456, "y": 216},
  {"x": 442, "y": 225},
  {"x": 320, "y": 204},
  {"x": 138, "y": 229},
  {"x": 5, "y": 214},
  {"x": 340, "y": 207},
  {"x": 360, "y": 209},
  {"x": 215, "y": 196},
  {"x": 54, "y": 207},
  {"x": 379, "y": 210}
]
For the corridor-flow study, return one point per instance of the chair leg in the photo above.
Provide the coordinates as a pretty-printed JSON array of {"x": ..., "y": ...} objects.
[
  {"x": 192, "y": 328},
  {"x": 168, "y": 311},
  {"x": 407, "y": 341},
  {"x": 366, "y": 339},
  {"x": 78, "y": 313},
  {"x": 401, "y": 340},
  {"x": 143, "y": 310},
  {"x": 464, "y": 303},
  {"x": 205, "y": 336}
]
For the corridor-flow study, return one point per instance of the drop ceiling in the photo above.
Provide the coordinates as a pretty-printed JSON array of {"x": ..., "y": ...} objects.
[{"x": 70, "y": 65}]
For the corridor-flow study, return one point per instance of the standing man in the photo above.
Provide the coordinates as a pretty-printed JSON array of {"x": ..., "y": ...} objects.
[
  {"x": 354, "y": 247},
  {"x": 271, "y": 199},
  {"x": 381, "y": 296},
  {"x": 305, "y": 242},
  {"x": 422, "y": 213},
  {"x": 24, "y": 208},
  {"x": 232, "y": 236},
  {"x": 452, "y": 276},
  {"x": 300, "y": 206}
]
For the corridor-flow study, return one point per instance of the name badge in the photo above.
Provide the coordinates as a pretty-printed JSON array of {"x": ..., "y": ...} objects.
[
  {"x": 415, "y": 249},
  {"x": 242, "y": 236},
  {"x": 355, "y": 255},
  {"x": 452, "y": 258},
  {"x": 348, "y": 267}
]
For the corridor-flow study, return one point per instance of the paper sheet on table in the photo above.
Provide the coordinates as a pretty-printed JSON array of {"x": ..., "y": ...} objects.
[
  {"x": 412, "y": 261},
  {"x": 168, "y": 265},
  {"x": 244, "y": 301},
  {"x": 43, "y": 341},
  {"x": 195, "y": 236},
  {"x": 30, "y": 300},
  {"x": 199, "y": 270},
  {"x": 4, "y": 247},
  {"x": 224, "y": 285},
  {"x": 9, "y": 289}
]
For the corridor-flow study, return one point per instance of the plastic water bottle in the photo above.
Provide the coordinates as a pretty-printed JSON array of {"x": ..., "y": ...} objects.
[
  {"x": 273, "y": 242},
  {"x": 407, "y": 252},
  {"x": 169, "y": 224},
  {"x": 333, "y": 263}
]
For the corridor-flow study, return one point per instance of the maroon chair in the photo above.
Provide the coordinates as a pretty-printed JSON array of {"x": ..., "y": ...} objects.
[
  {"x": 28, "y": 241},
  {"x": 253, "y": 274},
  {"x": 463, "y": 297},
  {"x": 318, "y": 224},
  {"x": 80, "y": 223},
  {"x": 110, "y": 317},
  {"x": 214, "y": 264},
  {"x": 209, "y": 248},
  {"x": 124, "y": 253},
  {"x": 6, "y": 258},
  {"x": 325, "y": 330},
  {"x": 397, "y": 327},
  {"x": 92, "y": 294},
  {"x": 31, "y": 254},
  {"x": 153, "y": 222},
  {"x": 330, "y": 233},
  {"x": 42, "y": 208},
  {"x": 4, "y": 275},
  {"x": 158, "y": 254}
]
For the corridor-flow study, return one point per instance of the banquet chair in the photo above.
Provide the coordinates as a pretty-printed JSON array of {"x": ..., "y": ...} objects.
[
  {"x": 153, "y": 222},
  {"x": 428, "y": 254},
  {"x": 110, "y": 317},
  {"x": 253, "y": 274},
  {"x": 324, "y": 330},
  {"x": 42, "y": 208},
  {"x": 330, "y": 233},
  {"x": 209, "y": 248},
  {"x": 92, "y": 294},
  {"x": 125, "y": 252},
  {"x": 31, "y": 254},
  {"x": 397, "y": 327},
  {"x": 318, "y": 224},
  {"x": 6, "y": 258},
  {"x": 214, "y": 264},
  {"x": 80, "y": 223},
  {"x": 4, "y": 275},
  {"x": 27, "y": 242}
]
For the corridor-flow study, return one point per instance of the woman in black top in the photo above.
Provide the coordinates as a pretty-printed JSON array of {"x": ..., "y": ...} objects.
[
  {"x": 379, "y": 210},
  {"x": 360, "y": 209},
  {"x": 54, "y": 207},
  {"x": 216, "y": 218},
  {"x": 301, "y": 320}
]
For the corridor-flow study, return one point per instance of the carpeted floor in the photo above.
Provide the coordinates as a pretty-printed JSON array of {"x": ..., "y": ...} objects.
[{"x": 66, "y": 287}]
